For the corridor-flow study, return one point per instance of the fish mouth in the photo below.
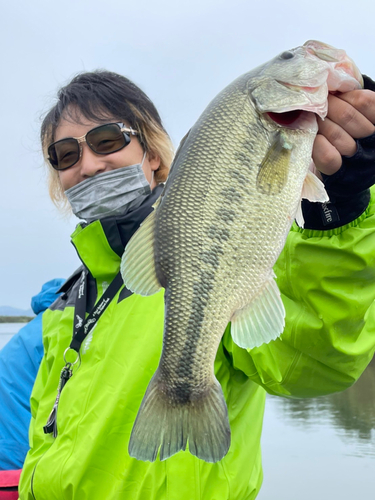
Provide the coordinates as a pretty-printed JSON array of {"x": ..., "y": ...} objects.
[
  {"x": 287, "y": 118},
  {"x": 311, "y": 99},
  {"x": 295, "y": 119}
]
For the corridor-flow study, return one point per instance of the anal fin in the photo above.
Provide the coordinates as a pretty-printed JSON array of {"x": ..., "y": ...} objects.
[{"x": 260, "y": 321}]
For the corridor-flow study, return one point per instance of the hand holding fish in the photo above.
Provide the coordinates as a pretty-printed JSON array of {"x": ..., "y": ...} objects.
[
  {"x": 350, "y": 116},
  {"x": 344, "y": 157}
]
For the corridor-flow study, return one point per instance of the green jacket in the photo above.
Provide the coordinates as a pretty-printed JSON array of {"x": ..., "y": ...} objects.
[{"x": 327, "y": 280}]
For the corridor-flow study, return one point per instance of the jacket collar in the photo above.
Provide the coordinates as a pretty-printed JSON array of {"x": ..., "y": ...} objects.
[{"x": 101, "y": 243}]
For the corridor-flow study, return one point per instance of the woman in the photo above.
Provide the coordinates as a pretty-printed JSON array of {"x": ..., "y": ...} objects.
[{"x": 79, "y": 449}]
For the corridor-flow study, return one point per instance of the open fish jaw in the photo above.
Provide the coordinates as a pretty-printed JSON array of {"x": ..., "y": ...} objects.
[{"x": 232, "y": 194}]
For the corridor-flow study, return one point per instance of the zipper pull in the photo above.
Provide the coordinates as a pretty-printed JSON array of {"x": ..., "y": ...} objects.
[{"x": 51, "y": 425}]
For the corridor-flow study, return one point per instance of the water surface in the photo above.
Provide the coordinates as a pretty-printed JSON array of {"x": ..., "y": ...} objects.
[
  {"x": 321, "y": 448},
  {"x": 7, "y": 330}
]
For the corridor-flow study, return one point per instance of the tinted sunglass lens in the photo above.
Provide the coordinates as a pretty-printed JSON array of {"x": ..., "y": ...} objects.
[
  {"x": 107, "y": 139},
  {"x": 63, "y": 154}
]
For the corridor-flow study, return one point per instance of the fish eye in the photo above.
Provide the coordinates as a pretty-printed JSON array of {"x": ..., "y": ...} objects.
[{"x": 287, "y": 55}]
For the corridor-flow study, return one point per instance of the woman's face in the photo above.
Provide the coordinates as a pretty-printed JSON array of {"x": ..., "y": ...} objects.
[{"x": 91, "y": 163}]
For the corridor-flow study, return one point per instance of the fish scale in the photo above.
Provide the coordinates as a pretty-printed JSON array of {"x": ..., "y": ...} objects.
[{"x": 234, "y": 188}]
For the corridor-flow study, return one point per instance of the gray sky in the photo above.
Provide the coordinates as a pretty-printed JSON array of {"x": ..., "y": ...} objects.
[{"x": 180, "y": 53}]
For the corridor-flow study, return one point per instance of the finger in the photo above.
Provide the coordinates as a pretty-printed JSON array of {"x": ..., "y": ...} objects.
[
  {"x": 348, "y": 117},
  {"x": 325, "y": 156},
  {"x": 362, "y": 100},
  {"x": 337, "y": 136}
]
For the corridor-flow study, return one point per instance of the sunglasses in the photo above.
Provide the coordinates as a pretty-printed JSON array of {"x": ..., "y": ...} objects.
[{"x": 103, "y": 140}]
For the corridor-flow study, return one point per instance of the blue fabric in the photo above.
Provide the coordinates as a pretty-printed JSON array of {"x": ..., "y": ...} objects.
[{"x": 19, "y": 364}]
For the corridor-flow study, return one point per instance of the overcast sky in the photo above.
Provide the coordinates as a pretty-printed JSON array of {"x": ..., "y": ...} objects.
[{"x": 180, "y": 53}]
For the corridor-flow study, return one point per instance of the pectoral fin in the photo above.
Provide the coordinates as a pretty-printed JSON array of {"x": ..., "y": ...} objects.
[
  {"x": 260, "y": 321},
  {"x": 273, "y": 171},
  {"x": 138, "y": 262}
]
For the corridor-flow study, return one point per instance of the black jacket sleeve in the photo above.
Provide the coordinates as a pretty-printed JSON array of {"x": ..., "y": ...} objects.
[{"x": 348, "y": 189}]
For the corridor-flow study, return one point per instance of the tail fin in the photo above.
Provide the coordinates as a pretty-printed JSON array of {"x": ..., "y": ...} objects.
[{"x": 161, "y": 423}]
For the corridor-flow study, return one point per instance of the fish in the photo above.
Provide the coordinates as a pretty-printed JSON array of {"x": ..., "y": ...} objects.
[{"x": 234, "y": 188}]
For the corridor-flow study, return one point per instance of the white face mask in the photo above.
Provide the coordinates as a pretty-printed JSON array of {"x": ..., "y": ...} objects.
[{"x": 110, "y": 193}]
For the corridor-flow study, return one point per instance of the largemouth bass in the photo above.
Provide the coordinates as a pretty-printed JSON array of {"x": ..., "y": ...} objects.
[{"x": 234, "y": 189}]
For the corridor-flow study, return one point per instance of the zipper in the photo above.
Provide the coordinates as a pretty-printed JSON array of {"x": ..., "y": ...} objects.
[
  {"x": 32, "y": 480},
  {"x": 35, "y": 466},
  {"x": 33, "y": 474}
]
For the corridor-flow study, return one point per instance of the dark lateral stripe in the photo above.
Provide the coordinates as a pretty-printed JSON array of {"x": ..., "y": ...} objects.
[{"x": 201, "y": 291}]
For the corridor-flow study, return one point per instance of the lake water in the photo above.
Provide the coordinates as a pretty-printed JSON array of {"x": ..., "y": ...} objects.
[
  {"x": 313, "y": 449},
  {"x": 321, "y": 448},
  {"x": 7, "y": 330}
]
